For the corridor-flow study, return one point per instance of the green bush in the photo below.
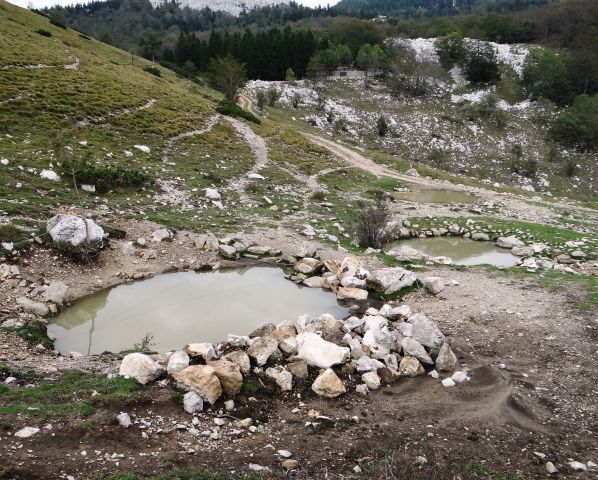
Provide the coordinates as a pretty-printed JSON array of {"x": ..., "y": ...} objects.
[
  {"x": 105, "y": 178},
  {"x": 43, "y": 32},
  {"x": 487, "y": 109},
  {"x": 382, "y": 126},
  {"x": 545, "y": 75},
  {"x": 481, "y": 64},
  {"x": 450, "y": 49},
  {"x": 230, "y": 108},
  {"x": 153, "y": 70},
  {"x": 578, "y": 125}
]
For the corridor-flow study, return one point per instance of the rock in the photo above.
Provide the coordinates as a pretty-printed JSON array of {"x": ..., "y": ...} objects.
[
  {"x": 578, "y": 466},
  {"x": 317, "y": 352},
  {"x": 207, "y": 242},
  {"x": 550, "y": 468},
  {"x": 290, "y": 464},
  {"x": 434, "y": 285},
  {"x": 74, "y": 230},
  {"x": 204, "y": 350},
  {"x": 426, "y": 332},
  {"x": 388, "y": 375},
  {"x": 200, "y": 379},
  {"x": 446, "y": 361},
  {"x": 480, "y": 236},
  {"x": 55, "y": 292},
  {"x": 282, "y": 377},
  {"x": 314, "y": 282},
  {"x": 241, "y": 359},
  {"x": 448, "y": 382},
  {"x": 266, "y": 330},
  {"x": 141, "y": 367},
  {"x": 509, "y": 242},
  {"x": 162, "y": 235},
  {"x": 345, "y": 293},
  {"x": 350, "y": 281},
  {"x": 371, "y": 380},
  {"x": 192, "y": 402},
  {"x": 379, "y": 340},
  {"x": 36, "y": 308},
  {"x": 228, "y": 252},
  {"x": 302, "y": 250},
  {"x": 415, "y": 349},
  {"x": 434, "y": 374},
  {"x": 177, "y": 361},
  {"x": 212, "y": 194},
  {"x": 362, "y": 389},
  {"x": 564, "y": 259},
  {"x": 459, "y": 377},
  {"x": 367, "y": 364},
  {"x": 124, "y": 419},
  {"x": 410, "y": 367},
  {"x": 523, "y": 251},
  {"x": 578, "y": 254},
  {"x": 328, "y": 385},
  {"x": 261, "y": 349},
  {"x": 391, "y": 280},
  {"x": 454, "y": 229},
  {"x": 298, "y": 368},
  {"x": 412, "y": 172},
  {"x": 26, "y": 432},
  {"x": 229, "y": 375},
  {"x": 284, "y": 453},
  {"x": 307, "y": 266}
]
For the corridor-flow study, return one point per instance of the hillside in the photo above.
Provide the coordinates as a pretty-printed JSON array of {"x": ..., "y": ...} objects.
[{"x": 234, "y": 7}]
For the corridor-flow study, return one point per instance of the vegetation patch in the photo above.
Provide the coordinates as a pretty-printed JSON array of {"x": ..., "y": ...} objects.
[
  {"x": 232, "y": 109},
  {"x": 105, "y": 178}
]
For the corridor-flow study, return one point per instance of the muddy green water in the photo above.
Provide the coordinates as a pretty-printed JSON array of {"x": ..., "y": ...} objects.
[
  {"x": 436, "y": 196},
  {"x": 462, "y": 250},
  {"x": 182, "y": 308}
]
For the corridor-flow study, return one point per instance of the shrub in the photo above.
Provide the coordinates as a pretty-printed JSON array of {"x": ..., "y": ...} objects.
[
  {"x": 261, "y": 98},
  {"x": 578, "y": 125},
  {"x": 290, "y": 76},
  {"x": 296, "y": 100},
  {"x": 545, "y": 75},
  {"x": 43, "y": 32},
  {"x": 487, "y": 109},
  {"x": 57, "y": 17},
  {"x": 570, "y": 167},
  {"x": 230, "y": 108},
  {"x": 153, "y": 70},
  {"x": 105, "y": 178},
  {"x": 273, "y": 96},
  {"x": 481, "y": 65},
  {"x": 382, "y": 126},
  {"x": 85, "y": 252},
  {"x": 368, "y": 225},
  {"x": 450, "y": 49}
]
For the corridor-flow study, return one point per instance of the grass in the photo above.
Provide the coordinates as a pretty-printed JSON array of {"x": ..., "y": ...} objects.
[
  {"x": 34, "y": 334},
  {"x": 192, "y": 473},
  {"x": 70, "y": 394}
]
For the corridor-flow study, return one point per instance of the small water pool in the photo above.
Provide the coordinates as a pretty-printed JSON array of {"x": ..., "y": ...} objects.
[
  {"x": 186, "y": 307},
  {"x": 436, "y": 196},
  {"x": 463, "y": 251}
]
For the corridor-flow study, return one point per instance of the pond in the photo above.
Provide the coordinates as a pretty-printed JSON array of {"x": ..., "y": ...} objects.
[
  {"x": 186, "y": 307},
  {"x": 436, "y": 196},
  {"x": 462, "y": 250}
]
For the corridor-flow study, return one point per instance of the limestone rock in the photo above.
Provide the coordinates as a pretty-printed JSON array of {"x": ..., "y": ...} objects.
[
  {"x": 177, "y": 361},
  {"x": 318, "y": 352},
  {"x": 415, "y": 349},
  {"x": 26, "y": 432},
  {"x": 371, "y": 380},
  {"x": 314, "y": 282},
  {"x": 204, "y": 350},
  {"x": 141, "y": 367},
  {"x": 434, "y": 285},
  {"x": 162, "y": 235},
  {"x": 426, "y": 332},
  {"x": 523, "y": 251},
  {"x": 298, "y": 368},
  {"x": 261, "y": 349},
  {"x": 391, "y": 280},
  {"x": 229, "y": 375},
  {"x": 266, "y": 330},
  {"x": 282, "y": 377},
  {"x": 509, "y": 242},
  {"x": 200, "y": 379},
  {"x": 241, "y": 359},
  {"x": 192, "y": 402},
  {"x": 345, "y": 293},
  {"x": 307, "y": 265},
  {"x": 55, "y": 292},
  {"x": 74, "y": 230},
  {"x": 303, "y": 250},
  {"x": 480, "y": 236},
  {"x": 410, "y": 367},
  {"x": 328, "y": 385},
  {"x": 124, "y": 419},
  {"x": 36, "y": 308},
  {"x": 228, "y": 251},
  {"x": 446, "y": 361}
]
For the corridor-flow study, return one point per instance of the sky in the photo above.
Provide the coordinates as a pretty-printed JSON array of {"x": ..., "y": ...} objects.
[{"x": 48, "y": 3}]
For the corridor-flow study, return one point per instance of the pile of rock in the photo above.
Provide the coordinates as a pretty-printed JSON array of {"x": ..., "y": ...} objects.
[{"x": 334, "y": 356}]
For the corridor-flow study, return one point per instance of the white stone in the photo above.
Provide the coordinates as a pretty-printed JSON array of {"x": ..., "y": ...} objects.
[
  {"x": 318, "y": 352},
  {"x": 192, "y": 402},
  {"x": 74, "y": 230},
  {"x": 204, "y": 350},
  {"x": 391, "y": 280},
  {"x": 212, "y": 194},
  {"x": 448, "y": 382},
  {"x": 434, "y": 285},
  {"x": 140, "y": 367},
  {"x": 177, "y": 361},
  {"x": 550, "y": 468},
  {"x": 328, "y": 385},
  {"x": 426, "y": 332},
  {"x": 55, "y": 292},
  {"x": 50, "y": 175},
  {"x": 415, "y": 349},
  {"x": 578, "y": 466},
  {"x": 459, "y": 377},
  {"x": 26, "y": 432},
  {"x": 261, "y": 348},
  {"x": 124, "y": 419},
  {"x": 371, "y": 380},
  {"x": 446, "y": 361},
  {"x": 282, "y": 377}
]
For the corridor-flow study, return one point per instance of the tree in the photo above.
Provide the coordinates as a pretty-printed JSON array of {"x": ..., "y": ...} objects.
[
  {"x": 227, "y": 76},
  {"x": 545, "y": 75},
  {"x": 382, "y": 126},
  {"x": 578, "y": 125},
  {"x": 450, "y": 49},
  {"x": 290, "y": 75},
  {"x": 370, "y": 58},
  {"x": 58, "y": 17},
  {"x": 481, "y": 65}
]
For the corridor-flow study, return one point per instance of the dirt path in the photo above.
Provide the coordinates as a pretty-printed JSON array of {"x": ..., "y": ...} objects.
[
  {"x": 211, "y": 123},
  {"x": 115, "y": 114}
]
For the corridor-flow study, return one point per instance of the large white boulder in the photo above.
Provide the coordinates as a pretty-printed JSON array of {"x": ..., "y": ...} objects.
[
  {"x": 200, "y": 379},
  {"x": 317, "y": 352},
  {"x": 347, "y": 293},
  {"x": 141, "y": 367},
  {"x": 229, "y": 374},
  {"x": 410, "y": 367},
  {"x": 30, "y": 306},
  {"x": 426, "y": 332},
  {"x": 391, "y": 280},
  {"x": 74, "y": 230},
  {"x": 379, "y": 340},
  {"x": 55, "y": 292},
  {"x": 282, "y": 377},
  {"x": 415, "y": 349},
  {"x": 261, "y": 348},
  {"x": 328, "y": 385},
  {"x": 446, "y": 361},
  {"x": 177, "y": 361},
  {"x": 509, "y": 242},
  {"x": 192, "y": 402}
]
